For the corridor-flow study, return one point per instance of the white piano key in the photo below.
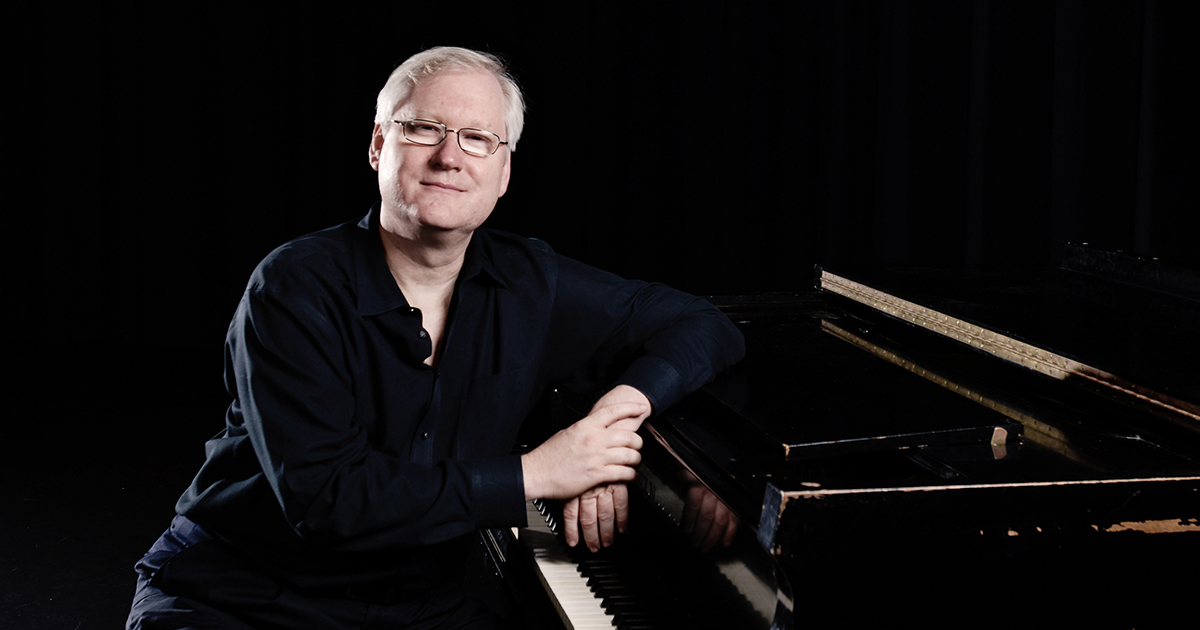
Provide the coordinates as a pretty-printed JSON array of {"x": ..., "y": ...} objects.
[{"x": 577, "y": 605}]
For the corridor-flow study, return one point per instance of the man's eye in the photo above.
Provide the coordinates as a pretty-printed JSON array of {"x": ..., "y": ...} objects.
[{"x": 424, "y": 128}]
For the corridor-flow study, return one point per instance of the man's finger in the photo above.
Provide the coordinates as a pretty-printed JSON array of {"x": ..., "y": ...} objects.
[
  {"x": 704, "y": 522},
  {"x": 605, "y": 517},
  {"x": 620, "y": 393},
  {"x": 623, "y": 439},
  {"x": 609, "y": 415},
  {"x": 716, "y": 529},
  {"x": 730, "y": 532},
  {"x": 625, "y": 456},
  {"x": 620, "y": 473},
  {"x": 691, "y": 507},
  {"x": 627, "y": 424},
  {"x": 620, "y": 497},
  {"x": 588, "y": 523},
  {"x": 571, "y": 521}
]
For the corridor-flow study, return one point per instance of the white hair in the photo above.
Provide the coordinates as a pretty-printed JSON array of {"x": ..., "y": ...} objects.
[{"x": 427, "y": 63}]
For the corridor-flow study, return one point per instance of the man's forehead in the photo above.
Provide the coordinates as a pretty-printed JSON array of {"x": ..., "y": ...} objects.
[{"x": 471, "y": 94}]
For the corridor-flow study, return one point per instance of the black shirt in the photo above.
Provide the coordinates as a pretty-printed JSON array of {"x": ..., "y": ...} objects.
[{"x": 345, "y": 458}]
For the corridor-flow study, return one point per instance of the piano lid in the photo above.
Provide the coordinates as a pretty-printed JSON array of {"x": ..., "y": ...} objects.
[
  {"x": 803, "y": 392},
  {"x": 1118, "y": 325}
]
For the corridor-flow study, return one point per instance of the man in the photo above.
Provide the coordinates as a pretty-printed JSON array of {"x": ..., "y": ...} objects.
[{"x": 380, "y": 370}]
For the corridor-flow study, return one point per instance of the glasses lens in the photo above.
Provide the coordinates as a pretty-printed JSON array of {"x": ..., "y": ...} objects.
[
  {"x": 424, "y": 131},
  {"x": 478, "y": 141}
]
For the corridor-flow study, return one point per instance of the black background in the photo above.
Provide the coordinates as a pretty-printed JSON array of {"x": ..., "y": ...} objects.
[{"x": 156, "y": 152}]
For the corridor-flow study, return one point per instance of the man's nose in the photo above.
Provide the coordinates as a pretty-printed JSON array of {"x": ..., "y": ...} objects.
[{"x": 448, "y": 153}]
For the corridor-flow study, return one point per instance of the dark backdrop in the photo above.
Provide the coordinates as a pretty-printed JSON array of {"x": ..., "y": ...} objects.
[
  {"x": 722, "y": 148},
  {"x": 157, "y": 152}
]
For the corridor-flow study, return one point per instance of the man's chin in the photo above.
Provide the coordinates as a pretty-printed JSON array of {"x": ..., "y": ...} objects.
[
  {"x": 442, "y": 232},
  {"x": 449, "y": 221},
  {"x": 414, "y": 221}
]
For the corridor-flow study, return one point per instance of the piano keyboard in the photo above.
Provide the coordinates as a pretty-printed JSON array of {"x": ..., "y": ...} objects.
[
  {"x": 573, "y": 599},
  {"x": 649, "y": 579}
]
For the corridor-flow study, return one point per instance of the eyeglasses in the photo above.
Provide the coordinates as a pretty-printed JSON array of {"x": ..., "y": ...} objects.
[{"x": 475, "y": 142}]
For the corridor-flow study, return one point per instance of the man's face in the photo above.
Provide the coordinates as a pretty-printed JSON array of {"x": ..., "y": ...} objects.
[{"x": 441, "y": 188}]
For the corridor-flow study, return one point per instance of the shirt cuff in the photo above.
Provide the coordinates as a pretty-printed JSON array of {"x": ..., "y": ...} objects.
[
  {"x": 497, "y": 492},
  {"x": 657, "y": 379}
]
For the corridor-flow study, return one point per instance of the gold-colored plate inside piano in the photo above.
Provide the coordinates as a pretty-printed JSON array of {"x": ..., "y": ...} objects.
[{"x": 1005, "y": 347}]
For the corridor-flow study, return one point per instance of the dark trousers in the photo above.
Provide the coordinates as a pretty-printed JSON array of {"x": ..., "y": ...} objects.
[{"x": 189, "y": 579}]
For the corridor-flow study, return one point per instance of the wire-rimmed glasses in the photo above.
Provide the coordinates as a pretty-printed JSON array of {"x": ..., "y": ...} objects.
[{"x": 477, "y": 142}]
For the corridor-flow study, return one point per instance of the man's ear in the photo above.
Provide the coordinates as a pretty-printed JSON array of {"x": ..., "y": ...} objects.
[
  {"x": 376, "y": 146},
  {"x": 506, "y": 174}
]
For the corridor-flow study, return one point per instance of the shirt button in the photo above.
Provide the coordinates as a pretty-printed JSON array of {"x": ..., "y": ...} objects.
[
  {"x": 422, "y": 334},
  {"x": 425, "y": 435}
]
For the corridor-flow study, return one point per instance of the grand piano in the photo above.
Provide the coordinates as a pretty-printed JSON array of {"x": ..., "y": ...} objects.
[{"x": 943, "y": 448}]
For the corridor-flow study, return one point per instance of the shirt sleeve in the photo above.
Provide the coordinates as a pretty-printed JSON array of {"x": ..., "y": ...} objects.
[
  {"x": 296, "y": 398},
  {"x": 666, "y": 342}
]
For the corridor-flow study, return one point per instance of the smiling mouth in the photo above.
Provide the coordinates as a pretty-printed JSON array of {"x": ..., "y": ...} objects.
[{"x": 441, "y": 186}]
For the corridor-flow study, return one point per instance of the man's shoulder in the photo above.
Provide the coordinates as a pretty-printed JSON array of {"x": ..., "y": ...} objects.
[
  {"x": 511, "y": 257},
  {"x": 501, "y": 241},
  {"x": 505, "y": 248}
]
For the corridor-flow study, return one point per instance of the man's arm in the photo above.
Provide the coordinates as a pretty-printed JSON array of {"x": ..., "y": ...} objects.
[
  {"x": 673, "y": 342},
  {"x": 665, "y": 342}
]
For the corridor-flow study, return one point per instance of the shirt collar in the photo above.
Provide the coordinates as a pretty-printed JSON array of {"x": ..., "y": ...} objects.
[{"x": 377, "y": 290}]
